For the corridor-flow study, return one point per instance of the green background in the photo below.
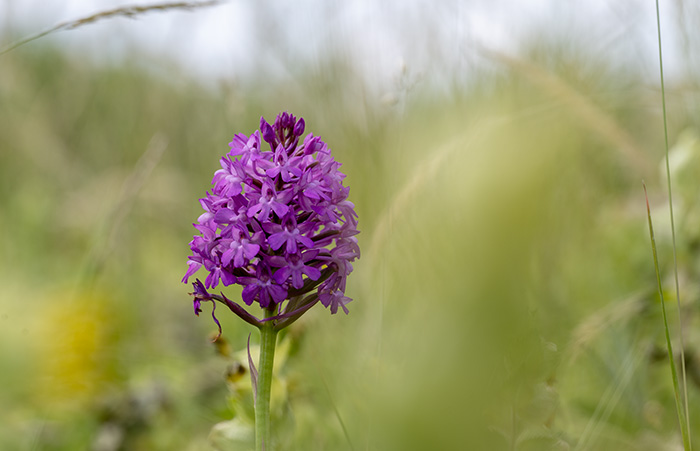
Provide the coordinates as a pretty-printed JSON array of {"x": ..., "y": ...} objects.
[{"x": 505, "y": 298}]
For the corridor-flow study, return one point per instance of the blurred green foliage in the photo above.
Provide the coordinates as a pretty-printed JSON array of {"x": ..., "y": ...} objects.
[{"x": 504, "y": 300}]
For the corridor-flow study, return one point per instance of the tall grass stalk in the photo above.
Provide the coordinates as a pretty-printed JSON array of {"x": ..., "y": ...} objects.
[
  {"x": 686, "y": 428},
  {"x": 681, "y": 417}
]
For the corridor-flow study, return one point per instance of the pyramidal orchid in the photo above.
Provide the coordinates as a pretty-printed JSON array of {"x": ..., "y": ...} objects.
[{"x": 278, "y": 222}]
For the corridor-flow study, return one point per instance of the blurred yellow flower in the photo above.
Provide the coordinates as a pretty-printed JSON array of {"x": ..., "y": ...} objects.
[{"x": 74, "y": 357}]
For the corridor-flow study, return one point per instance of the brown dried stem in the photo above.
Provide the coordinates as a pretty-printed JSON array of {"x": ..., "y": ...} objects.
[{"x": 131, "y": 12}]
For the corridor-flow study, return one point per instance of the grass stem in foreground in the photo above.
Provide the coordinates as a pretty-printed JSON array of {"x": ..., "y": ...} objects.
[
  {"x": 673, "y": 235},
  {"x": 674, "y": 374}
]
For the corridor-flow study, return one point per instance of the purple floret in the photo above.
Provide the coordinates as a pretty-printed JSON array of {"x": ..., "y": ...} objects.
[{"x": 277, "y": 221}]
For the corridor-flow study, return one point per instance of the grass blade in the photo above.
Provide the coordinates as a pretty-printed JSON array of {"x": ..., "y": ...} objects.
[
  {"x": 686, "y": 434},
  {"x": 674, "y": 374},
  {"x": 124, "y": 11}
]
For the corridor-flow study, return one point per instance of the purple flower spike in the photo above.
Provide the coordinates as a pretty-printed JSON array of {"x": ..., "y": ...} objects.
[{"x": 278, "y": 222}]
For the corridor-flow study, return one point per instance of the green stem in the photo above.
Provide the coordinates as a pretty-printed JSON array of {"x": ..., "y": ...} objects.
[
  {"x": 669, "y": 347},
  {"x": 268, "y": 339},
  {"x": 685, "y": 428}
]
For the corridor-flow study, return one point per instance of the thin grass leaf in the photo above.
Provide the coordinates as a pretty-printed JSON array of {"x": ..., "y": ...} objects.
[
  {"x": 333, "y": 404},
  {"x": 107, "y": 236},
  {"x": 674, "y": 374},
  {"x": 686, "y": 435},
  {"x": 610, "y": 399},
  {"x": 123, "y": 11}
]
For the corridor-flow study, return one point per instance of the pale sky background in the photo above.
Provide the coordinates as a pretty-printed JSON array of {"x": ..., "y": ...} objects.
[{"x": 432, "y": 39}]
